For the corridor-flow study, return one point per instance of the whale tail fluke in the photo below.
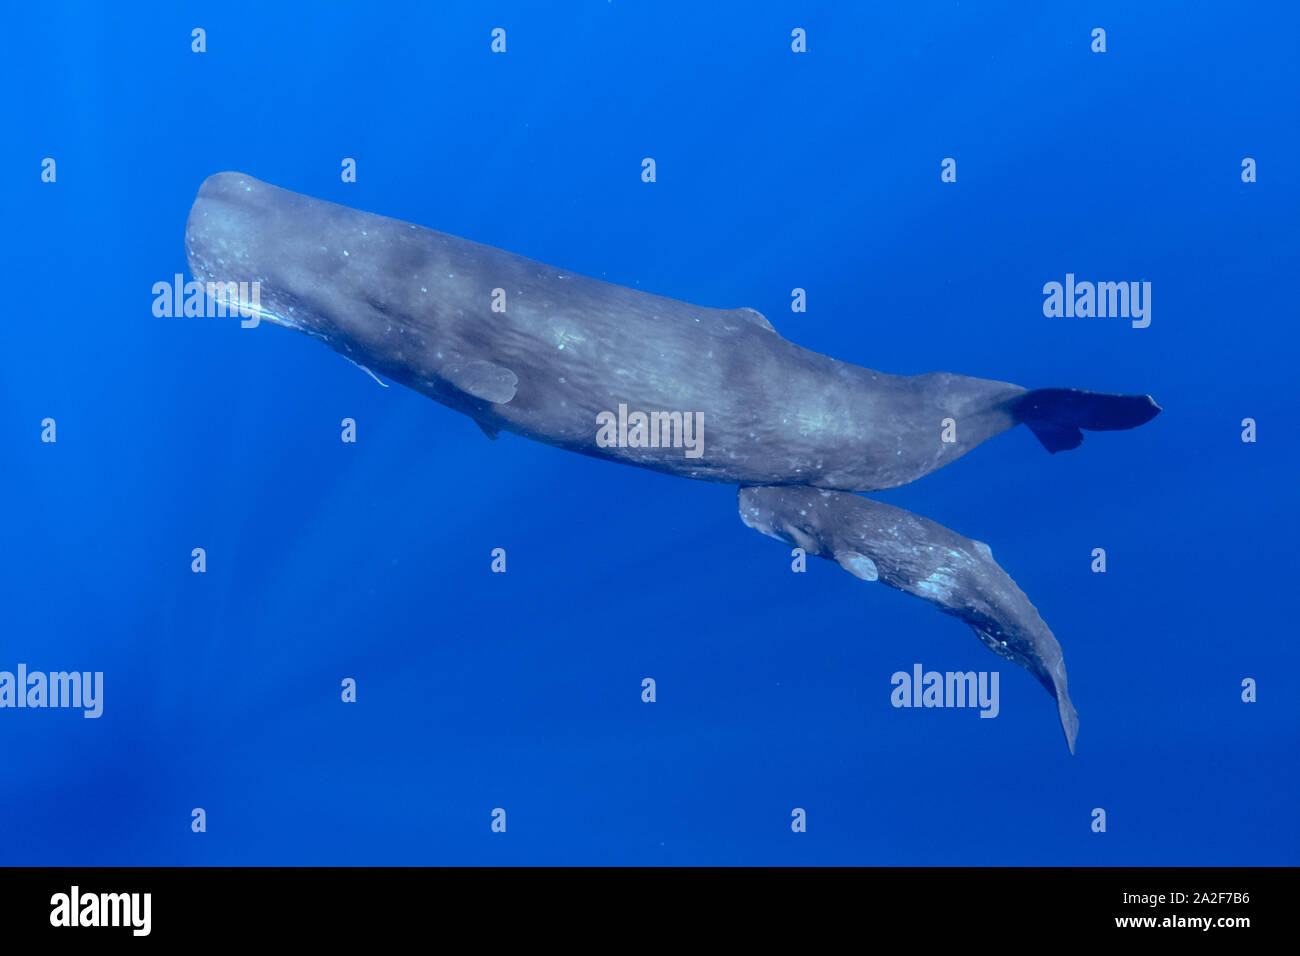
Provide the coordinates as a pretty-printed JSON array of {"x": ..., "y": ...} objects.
[{"x": 1057, "y": 416}]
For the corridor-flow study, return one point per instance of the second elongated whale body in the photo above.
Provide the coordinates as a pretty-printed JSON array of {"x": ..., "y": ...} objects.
[
  {"x": 878, "y": 542},
  {"x": 612, "y": 372},
  {"x": 542, "y": 352}
]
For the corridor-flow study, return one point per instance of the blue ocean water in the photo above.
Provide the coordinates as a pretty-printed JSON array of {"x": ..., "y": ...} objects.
[{"x": 522, "y": 691}]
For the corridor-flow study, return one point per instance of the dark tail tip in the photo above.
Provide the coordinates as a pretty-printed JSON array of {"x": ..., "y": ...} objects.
[{"x": 1057, "y": 415}]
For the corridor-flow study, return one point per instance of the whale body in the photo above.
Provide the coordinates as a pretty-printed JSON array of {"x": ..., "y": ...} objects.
[
  {"x": 617, "y": 373},
  {"x": 878, "y": 542}
]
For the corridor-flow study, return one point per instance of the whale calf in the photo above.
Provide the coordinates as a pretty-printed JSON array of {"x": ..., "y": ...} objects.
[
  {"x": 620, "y": 374},
  {"x": 878, "y": 542}
]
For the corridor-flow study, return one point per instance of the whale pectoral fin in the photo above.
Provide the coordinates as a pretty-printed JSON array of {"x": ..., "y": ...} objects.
[
  {"x": 753, "y": 315},
  {"x": 492, "y": 433},
  {"x": 484, "y": 380},
  {"x": 858, "y": 565}
]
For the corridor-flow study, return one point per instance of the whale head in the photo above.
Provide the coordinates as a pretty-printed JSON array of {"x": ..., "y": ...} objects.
[{"x": 348, "y": 278}]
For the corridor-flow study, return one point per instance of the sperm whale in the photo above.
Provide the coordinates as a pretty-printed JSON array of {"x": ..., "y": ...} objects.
[{"x": 624, "y": 375}]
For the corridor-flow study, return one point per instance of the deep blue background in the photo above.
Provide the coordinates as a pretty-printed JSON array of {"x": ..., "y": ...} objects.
[{"x": 522, "y": 690}]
